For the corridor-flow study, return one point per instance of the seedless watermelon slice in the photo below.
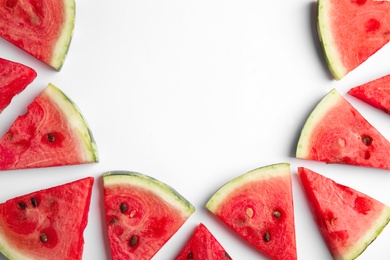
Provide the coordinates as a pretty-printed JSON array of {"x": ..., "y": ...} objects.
[
  {"x": 14, "y": 78},
  {"x": 42, "y": 28},
  {"x": 142, "y": 214},
  {"x": 348, "y": 220},
  {"x": 351, "y": 31},
  {"x": 258, "y": 206},
  {"x": 203, "y": 245},
  {"x": 375, "y": 93},
  {"x": 336, "y": 132},
  {"x": 46, "y": 224},
  {"x": 52, "y": 133}
]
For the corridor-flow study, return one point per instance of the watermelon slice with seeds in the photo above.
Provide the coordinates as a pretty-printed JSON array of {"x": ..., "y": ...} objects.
[
  {"x": 46, "y": 224},
  {"x": 348, "y": 220},
  {"x": 351, "y": 31},
  {"x": 336, "y": 132},
  {"x": 203, "y": 245},
  {"x": 42, "y": 28},
  {"x": 52, "y": 133},
  {"x": 258, "y": 206},
  {"x": 142, "y": 214},
  {"x": 14, "y": 78},
  {"x": 375, "y": 93}
]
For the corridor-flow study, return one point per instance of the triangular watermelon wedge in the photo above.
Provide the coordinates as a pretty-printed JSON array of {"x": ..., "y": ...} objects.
[
  {"x": 375, "y": 93},
  {"x": 52, "y": 133},
  {"x": 203, "y": 245},
  {"x": 348, "y": 220},
  {"x": 46, "y": 224},
  {"x": 42, "y": 28},
  {"x": 142, "y": 214},
  {"x": 14, "y": 78},
  {"x": 258, "y": 206},
  {"x": 336, "y": 132},
  {"x": 351, "y": 31}
]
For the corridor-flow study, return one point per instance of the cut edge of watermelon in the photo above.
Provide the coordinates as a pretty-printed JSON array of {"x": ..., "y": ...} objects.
[
  {"x": 77, "y": 121},
  {"x": 163, "y": 190},
  {"x": 328, "y": 44},
  {"x": 62, "y": 45},
  {"x": 303, "y": 148},
  {"x": 266, "y": 172}
]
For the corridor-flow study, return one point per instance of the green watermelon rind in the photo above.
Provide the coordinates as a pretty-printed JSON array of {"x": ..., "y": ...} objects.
[
  {"x": 62, "y": 46},
  {"x": 303, "y": 146},
  {"x": 163, "y": 190},
  {"x": 262, "y": 173},
  {"x": 328, "y": 44},
  {"x": 77, "y": 121}
]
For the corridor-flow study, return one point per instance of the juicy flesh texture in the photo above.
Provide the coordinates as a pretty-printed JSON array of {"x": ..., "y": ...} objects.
[
  {"x": 203, "y": 245},
  {"x": 376, "y": 93},
  {"x": 61, "y": 213},
  {"x": 252, "y": 211},
  {"x": 359, "y": 28},
  {"x": 340, "y": 213},
  {"x": 146, "y": 223},
  {"x": 40, "y": 138},
  {"x": 14, "y": 78},
  {"x": 33, "y": 25}
]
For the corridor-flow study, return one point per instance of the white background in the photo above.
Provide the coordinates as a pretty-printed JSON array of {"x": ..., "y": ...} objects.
[{"x": 195, "y": 93}]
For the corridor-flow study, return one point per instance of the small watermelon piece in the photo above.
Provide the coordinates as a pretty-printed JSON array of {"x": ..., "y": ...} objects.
[
  {"x": 42, "y": 28},
  {"x": 52, "y": 133},
  {"x": 14, "y": 78},
  {"x": 336, "y": 132},
  {"x": 348, "y": 220},
  {"x": 142, "y": 214},
  {"x": 351, "y": 31},
  {"x": 258, "y": 206},
  {"x": 375, "y": 93},
  {"x": 203, "y": 245},
  {"x": 46, "y": 224}
]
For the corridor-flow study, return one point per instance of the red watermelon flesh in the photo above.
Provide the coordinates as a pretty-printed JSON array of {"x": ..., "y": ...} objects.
[
  {"x": 42, "y": 28},
  {"x": 142, "y": 214},
  {"x": 375, "y": 93},
  {"x": 203, "y": 245},
  {"x": 258, "y": 206},
  {"x": 52, "y": 133},
  {"x": 336, "y": 132},
  {"x": 348, "y": 220},
  {"x": 351, "y": 31},
  {"x": 14, "y": 78},
  {"x": 46, "y": 224}
]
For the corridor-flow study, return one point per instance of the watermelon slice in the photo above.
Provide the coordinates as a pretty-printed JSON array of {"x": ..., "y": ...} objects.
[
  {"x": 142, "y": 214},
  {"x": 258, "y": 206},
  {"x": 42, "y": 28},
  {"x": 51, "y": 133},
  {"x": 14, "y": 78},
  {"x": 336, "y": 132},
  {"x": 351, "y": 31},
  {"x": 203, "y": 245},
  {"x": 348, "y": 220},
  {"x": 46, "y": 224},
  {"x": 375, "y": 93}
]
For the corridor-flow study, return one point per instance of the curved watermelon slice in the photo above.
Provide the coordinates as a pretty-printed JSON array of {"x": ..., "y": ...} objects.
[
  {"x": 348, "y": 220},
  {"x": 14, "y": 78},
  {"x": 375, "y": 93},
  {"x": 351, "y": 31},
  {"x": 51, "y": 133},
  {"x": 203, "y": 245},
  {"x": 336, "y": 132},
  {"x": 46, "y": 224},
  {"x": 142, "y": 214},
  {"x": 42, "y": 28},
  {"x": 258, "y": 206}
]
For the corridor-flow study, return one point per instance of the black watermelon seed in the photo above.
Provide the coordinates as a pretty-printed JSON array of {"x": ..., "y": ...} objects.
[
  {"x": 43, "y": 238},
  {"x": 22, "y": 205},
  {"x": 267, "y": 237},
  {"x": 133, "y": 241},
  {"x": 34, "y": 202},
  {"x": 190, "y": 256},
  {"x": 123, "y": 208}
]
